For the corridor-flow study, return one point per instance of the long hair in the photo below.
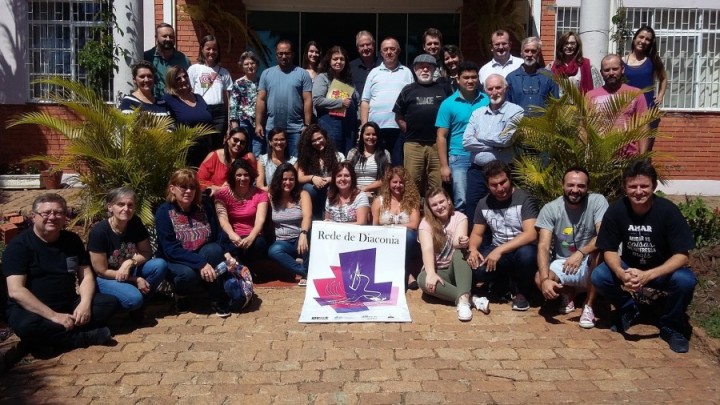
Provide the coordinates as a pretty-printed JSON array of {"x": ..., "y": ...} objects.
[
  {"x": 652, "y": 51},
  {"x": 380, "y": 155},
  {"x": 203, "y": 41},
  {"x": 305, "y": 60},
  {"x": 333, "y": 193},
  {"x": 410, "y": 198},
  {"x": 234, "y": 167},
  {"x": 275, "y": 188},
  {"x": 453, "y": 50},
  {"x": 345, "y": 75},
  {"x": 438, "y": 228},
  {"x": 309, "y": 157},
  {"x": 226, "y": 146},
  {"x": 186, "y": 178},
  {"x": 171, "y": 79},
  {"x": 273, "y": 133},
  {"x": 564, "y": 38}
]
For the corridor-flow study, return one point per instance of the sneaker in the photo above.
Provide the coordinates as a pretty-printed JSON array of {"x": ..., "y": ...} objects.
[
  {"x": 567, "y": 303},
  {"x": 464, "y": 312},
  {"x": 302, "y": 282},
  {"x": 482, "y": 304},
  {"x": 413, "y": 285},
  {"x": 520, "y": 303},
  {"x": 678, "y": 343},
  {"x": 627, "y": 317},
  {"x": 92, "y": 337},
  {"x": 221, "y": 310},
  {"x": 182, "y": 304},
  {"x": 587, "y": 318}
]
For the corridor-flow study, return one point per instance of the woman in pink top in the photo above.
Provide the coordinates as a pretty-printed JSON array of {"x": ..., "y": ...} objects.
[
  {"x": 446, "y": 274},
  {"x": 213, "y": 170},
  {"x": 242, "y": 209}
]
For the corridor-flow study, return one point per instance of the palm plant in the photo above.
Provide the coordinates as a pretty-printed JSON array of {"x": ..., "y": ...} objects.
[
  {"x": 573, "y": 131},
  {"x": 485, "y": 17},
  {"x": 109, "y": 149}
]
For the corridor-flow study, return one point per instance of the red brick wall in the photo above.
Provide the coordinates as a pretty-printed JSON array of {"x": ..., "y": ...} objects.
[
  {"x": 693, "y": 152},
  {"x": 547, "y": 29}
]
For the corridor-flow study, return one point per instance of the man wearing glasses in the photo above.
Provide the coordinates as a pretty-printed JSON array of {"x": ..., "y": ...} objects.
[
  {"x": 502, "y": 62},
  {"x": 41, "y": 266},
  {"x": 284, "y": 98}
]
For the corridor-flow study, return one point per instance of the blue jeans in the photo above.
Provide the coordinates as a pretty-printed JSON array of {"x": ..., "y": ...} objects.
[
  {"x": 318, "y": 197},
  {"x": 130, "y": 298},
  {"x": 519, "y": 265},
  {"x": 285, "y": 252},
  {"x": 413, "y": 256},
  {"x": 475, "y": 191},
  {"x": 341, "y": 130},
  {"x": 293, "y": 138},
  {"x": 394, "y": 141},
  {"x": 459, "y": 166},
  {"x": 679, "y": 285},
  {"x": 184, "y": 277}
]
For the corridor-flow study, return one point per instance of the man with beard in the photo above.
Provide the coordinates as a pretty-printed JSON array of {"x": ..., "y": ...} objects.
[
  {"x": 531, "y": 84},
  {"x": 452, "y": 119},
  {"x": 361, "y": 67},
  {"x": 654, "y": 239},
  {"x": 415, "y": 111},
  {"x": 381, "y": 90},
  {"x": 502, "y": 62},
  {"x": 568, "y": 227},
  {"x": 163, "y": 55},
  {"x": 612, "y": 71},
  {"x": 285, "y": 94},
  {"x": 510, "y": 214},
  {"x": 488, "y": 136}
]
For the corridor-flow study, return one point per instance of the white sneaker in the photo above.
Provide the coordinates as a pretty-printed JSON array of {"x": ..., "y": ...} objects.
[
  {"x": 464, "y": 312},
  {"x": 587, "y": 319},
  {"x": 482, "y": 304}
]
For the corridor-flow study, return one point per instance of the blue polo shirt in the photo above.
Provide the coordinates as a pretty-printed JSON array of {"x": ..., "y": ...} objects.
[{"x": 454, "y": 115}]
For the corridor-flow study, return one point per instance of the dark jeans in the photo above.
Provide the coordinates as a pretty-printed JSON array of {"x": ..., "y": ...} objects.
[
  {"x": 184, "y": 277},
  {"x": 520, "y": 266},
  {"x": 257, "y": 251},
  {"x": 475, "y": 191},
  {"x": 220, "y": 123},
  {"x": 34, "y": 329},
  {"x": 342, "y": 130},
  {"x": 318, "y": 197},
  {"x": 394, "y": 141},
  {"x": 679, "y": 285}
]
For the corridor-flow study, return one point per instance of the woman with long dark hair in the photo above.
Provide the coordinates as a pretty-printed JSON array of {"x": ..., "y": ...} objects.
[
  {"x": 213, "y": 170},
  {"x": 643, "y": 67},
  {"x": 336, "y": 113},
  {"x": 317, "y": 159},
  {"x": 345, "y": 202},
  {"x": 292, "y": 217},
  {"x": 311, "y": 58},
  {"x": 452, "y": 57},
  {"x": 278, "y": 154},
  {"x": 213, "y": 83},
  {"x": 569, "y": 62},
  {"x": 369, "y": 159}
]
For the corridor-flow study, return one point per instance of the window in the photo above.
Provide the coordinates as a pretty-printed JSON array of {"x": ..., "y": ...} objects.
[
  {"x": 57, "y": 31},
  {"x": 689, "y": 44}
]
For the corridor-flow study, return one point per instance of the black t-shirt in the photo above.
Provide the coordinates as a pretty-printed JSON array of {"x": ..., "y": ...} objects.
[
  {"x": 647, "y": 240},
  {"x": 117, "y": 248},
  {"x": 50, "y": 267},
  {"x": 419, "y": 105}
]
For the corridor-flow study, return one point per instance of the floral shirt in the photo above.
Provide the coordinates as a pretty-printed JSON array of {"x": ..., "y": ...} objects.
[{"x": 243, "y": 96}]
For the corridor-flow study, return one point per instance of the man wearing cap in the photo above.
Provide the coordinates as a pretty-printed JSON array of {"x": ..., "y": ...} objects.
[
  {"x": 415, "y": 110},
  {"x": 381, "y": 89}
]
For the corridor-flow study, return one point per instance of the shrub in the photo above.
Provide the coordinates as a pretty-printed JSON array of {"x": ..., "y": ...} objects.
[{"x": 704, "y": 222}]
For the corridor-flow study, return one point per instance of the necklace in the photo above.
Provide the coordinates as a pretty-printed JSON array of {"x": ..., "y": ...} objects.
[
  {"x": 243, "y": 197},
  {"x": 114, "y": 228}
]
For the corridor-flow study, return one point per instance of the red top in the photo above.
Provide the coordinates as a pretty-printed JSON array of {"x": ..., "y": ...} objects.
[{"x": 212, "y": 170}]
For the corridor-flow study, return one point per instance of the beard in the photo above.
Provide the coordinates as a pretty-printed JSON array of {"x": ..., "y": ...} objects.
[
  {"x": 167, "y": 45},
  {"x": 575, "y": 200}
]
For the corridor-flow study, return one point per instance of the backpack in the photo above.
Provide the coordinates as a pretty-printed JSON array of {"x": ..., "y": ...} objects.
[{"x": 239, "y": 286}]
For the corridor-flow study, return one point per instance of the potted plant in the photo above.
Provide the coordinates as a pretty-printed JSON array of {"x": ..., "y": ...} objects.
[
  {"x": 20, "y": 176},
  {"x": 51, "y": 178}
]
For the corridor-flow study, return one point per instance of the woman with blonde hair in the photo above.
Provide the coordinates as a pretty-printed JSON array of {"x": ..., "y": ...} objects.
[
  {"x": 398, "y": 204},
  {"x": 446, "y": 274}
]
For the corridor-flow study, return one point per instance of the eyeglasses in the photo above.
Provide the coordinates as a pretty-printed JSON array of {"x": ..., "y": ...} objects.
[
  {"x": 186, "y": 189},
  {"x": 238, "y": 140},
  {"x": 47, "y": 214}
]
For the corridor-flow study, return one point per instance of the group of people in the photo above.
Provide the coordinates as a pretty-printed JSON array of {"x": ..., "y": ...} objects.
[{"x": 288, "y": 152}]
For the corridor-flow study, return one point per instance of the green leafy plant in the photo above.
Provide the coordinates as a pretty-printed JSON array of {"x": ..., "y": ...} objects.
[
  {"x": 570, "y": 131},
  {"x": 621, "y": 30},
  {"x": 110, "y": 149},
  {"x": 703, "y": 221},
  {"x": 485, "y": 17}
]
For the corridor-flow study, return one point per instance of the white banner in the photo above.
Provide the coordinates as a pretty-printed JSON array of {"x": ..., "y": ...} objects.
[{"x": 356, "y": 274}]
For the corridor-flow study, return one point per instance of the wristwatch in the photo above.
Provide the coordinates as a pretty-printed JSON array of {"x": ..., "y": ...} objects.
[{"x": 302, "y": 231}]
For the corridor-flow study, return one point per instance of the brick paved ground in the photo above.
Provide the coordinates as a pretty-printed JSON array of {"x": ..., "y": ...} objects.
[{"x": 266, "y": 356}]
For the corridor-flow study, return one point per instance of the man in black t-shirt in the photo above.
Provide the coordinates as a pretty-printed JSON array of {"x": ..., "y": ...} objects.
[
  {"x": 655, "y": 240},
  {"x": 41, "y": 266},
  {"x": 415, "y": 111},
  {"x": 510, "y": 213}
]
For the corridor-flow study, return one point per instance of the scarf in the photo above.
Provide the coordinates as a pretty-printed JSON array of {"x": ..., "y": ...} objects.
[{"x": 571, "y": 68}]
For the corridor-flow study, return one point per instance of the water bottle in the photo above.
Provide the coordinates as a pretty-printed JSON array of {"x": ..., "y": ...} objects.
[{"x": 228, "y": 265}]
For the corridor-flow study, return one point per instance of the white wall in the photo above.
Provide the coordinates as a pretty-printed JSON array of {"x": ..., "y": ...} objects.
[{"x": 13, "y": 52}]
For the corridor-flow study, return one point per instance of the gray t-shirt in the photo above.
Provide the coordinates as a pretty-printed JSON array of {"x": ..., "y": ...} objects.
[
  {"x": 572, "y": 229},
  {"x": 285, "y": 97}
]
